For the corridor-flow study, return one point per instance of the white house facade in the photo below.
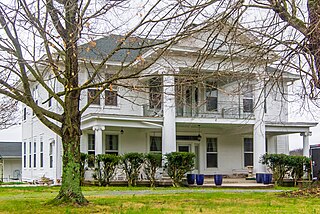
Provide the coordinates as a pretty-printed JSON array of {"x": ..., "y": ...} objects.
[{"x": 228, "y": 119}]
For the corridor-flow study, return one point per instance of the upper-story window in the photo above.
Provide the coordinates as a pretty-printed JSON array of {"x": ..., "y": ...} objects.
[
  {"x": 211, "y": 96},
  {"x": 111, "y": 98},
  {"x": 91, "y": 96},
  {"x": 155, "y": 95},
  {"x": 24, "y": 113},
  {"x": 35, "y": 94},
  {"x": 51, "y": 84},
  {"x": 248, "y": 99}
]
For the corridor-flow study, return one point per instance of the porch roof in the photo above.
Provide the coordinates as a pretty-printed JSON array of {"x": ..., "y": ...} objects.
[
  {"x": 125, "y": 121},
  {"x": 288, "y": 127}
]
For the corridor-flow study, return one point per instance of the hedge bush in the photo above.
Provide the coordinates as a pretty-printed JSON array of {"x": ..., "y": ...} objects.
[
  {"x": 106, "y": 165},
  {"x": 178, "y": 164},
  {"x": 282, "y": 164},
  {"x": 132, "y": 163},
  {"x": 152, "y": 162}
]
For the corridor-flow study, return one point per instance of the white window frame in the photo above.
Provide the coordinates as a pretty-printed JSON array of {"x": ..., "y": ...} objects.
[
  {"x": 105, "y": 144},
  {"x": 35, "y": 153},
  {"x": 41, "y": 153},
  {"x": 149, "y": 142},
  {"x": 214, "y": 96},
  {"x": 51, "y": 152},
  {"x": 246, "y": 152},
  {"x": 24, "y": 154},
  {"x": 206, "y": 152}
]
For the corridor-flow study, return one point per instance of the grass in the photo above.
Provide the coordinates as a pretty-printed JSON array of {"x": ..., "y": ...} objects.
[{"x": 160, "y": 200}]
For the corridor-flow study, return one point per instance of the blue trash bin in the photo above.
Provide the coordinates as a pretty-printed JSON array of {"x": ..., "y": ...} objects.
[
  {"x": 218, "y": 179},
  {"x": 190, "y": 178},
  {"x": 259, "y": 177},
  {"x": 199, "y": 179},
  {"x": 267, "y": 178}
]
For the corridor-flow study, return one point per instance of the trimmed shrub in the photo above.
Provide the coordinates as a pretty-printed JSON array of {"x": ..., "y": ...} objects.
[
  {"x": 299, "y": 165},
  {"x": 279, "y": 164},
  {"x": 106, "y": 166},
  {"x": 282, "y": 164},
  {"x": 132, "y": 163},
  {"x": 152, "y": 161},
  {"x": 178, "y": 164}
]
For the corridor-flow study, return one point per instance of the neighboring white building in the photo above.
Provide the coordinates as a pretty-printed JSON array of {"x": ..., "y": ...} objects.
[
  {"x": 10, "y": 161},
  {"x": 227, "y": 122}
]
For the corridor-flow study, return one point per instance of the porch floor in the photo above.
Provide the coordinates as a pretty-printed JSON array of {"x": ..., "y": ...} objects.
[{"x": 234, "y": 183}]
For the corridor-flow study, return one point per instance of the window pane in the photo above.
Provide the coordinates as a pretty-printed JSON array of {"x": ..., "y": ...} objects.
[
  {"x": 212, "y": 145},
  {"x": 91, "y": 94},
  {"x": 248, "y": 144},
  {"x": 155, "y": 144},
  {"x": 155, "y": 95},
  {"x": 183, "y": 148},
  {"x": 112, "y": 142},
  {"x": 248, "y": 105},
  {"x": 91, "y": 143},
  {"x": 248, "y": 159},
  {"x": 212, "y": 103},
  {"x": 111, "y": 98},
  {"x": 212, "y": 160}
]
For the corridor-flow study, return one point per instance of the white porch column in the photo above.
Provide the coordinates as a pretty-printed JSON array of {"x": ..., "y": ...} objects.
[
  {"x": 306, "y": 145},
  {"x": 259, "y": 131},
  {"x": 98, "y": 139},
  {"x": 169, "y": 116}
]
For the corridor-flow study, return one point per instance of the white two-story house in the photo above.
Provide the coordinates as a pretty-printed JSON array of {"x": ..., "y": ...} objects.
[{"x": 226, "y": 109}]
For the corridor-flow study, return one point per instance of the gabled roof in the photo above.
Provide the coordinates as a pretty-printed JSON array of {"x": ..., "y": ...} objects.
[
  {"x": 10, "y": 149},
  {"x": 131, "y": 49}
]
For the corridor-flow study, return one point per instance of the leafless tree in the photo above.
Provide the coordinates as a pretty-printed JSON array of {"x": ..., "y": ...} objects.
[
  {"x": 40, "y": 41},
  {"x": 8, "y": 113}
]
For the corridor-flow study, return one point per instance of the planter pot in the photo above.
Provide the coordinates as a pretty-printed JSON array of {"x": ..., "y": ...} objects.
[
  {"x": 218, "y": 179},
  {"x": 191, "y": 178},
  {"x": 267, "y": 178},
  {"x": 199, "y": 179},
  {"x": 259, "y": 177}
]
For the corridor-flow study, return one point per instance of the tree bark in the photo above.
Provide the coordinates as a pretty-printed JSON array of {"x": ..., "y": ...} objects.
[
  {"x": 70, "y": 191},
  {"x": 313, "y": 37}
]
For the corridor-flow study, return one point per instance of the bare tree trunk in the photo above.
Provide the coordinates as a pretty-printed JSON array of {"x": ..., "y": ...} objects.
[{"x": 70, "y": 190}]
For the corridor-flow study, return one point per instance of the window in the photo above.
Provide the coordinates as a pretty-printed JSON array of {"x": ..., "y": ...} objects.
[
  {"x": 212, "y": 153},
  {"x": 34, "y": 154},
  {"x": 91, "y": 94},
  {"x": 24, "y": 154},
  {"x": 35, "y": 94},
  {"x": 30, "y": 148},
  {"x": 211, "y": 96},
  {"x": 51, "y": 84},
  {"x": 112, "y": 144},
  {"x": 111, "y": 98},
  {"x": 24, "y": 113},
  {"x": 155, "y": 144},
  {"x": 248, "y": 151},
  {"x": 155, "y": 95},
  {"x": 248, "y": 100},
  {"x": 51, "y": 154},
  {"x": 91, "y": 149},
  {"x": 41, "y": 152}
]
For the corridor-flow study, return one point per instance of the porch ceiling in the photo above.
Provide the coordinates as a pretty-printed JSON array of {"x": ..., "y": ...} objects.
[{"x": 288, "y": 127}]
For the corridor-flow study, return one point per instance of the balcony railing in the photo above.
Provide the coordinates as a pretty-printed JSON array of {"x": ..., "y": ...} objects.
[{"x": 224, "y": 111}]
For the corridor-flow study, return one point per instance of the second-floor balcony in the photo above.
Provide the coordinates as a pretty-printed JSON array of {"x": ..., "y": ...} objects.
[{"x": 222, "y": 110}]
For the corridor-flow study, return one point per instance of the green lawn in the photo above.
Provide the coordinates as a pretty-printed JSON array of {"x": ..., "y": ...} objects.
[{"x": 160, "y": 200}]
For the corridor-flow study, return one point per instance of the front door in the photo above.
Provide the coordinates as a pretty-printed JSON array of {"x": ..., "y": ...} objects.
[{"x": 191, "y": 147}]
